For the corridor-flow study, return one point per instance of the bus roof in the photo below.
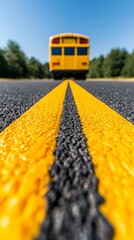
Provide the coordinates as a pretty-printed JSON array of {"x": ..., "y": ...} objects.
[{"x": 69, "y": 35}]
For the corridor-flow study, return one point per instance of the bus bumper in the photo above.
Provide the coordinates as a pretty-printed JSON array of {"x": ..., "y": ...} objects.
[{"x": 69, "y": 73}]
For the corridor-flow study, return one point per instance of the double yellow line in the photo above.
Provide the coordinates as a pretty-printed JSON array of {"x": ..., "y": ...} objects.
[
  {"x": 110, "y": 140},
  {"x": 26, "y": 153},
  {"x": 26, "y": 156}
]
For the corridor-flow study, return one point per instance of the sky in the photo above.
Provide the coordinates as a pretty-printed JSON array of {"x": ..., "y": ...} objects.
[{"x": 108, "y": 23}]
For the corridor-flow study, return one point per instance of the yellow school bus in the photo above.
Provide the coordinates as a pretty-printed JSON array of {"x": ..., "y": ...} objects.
[{"x": 69, "y": 55}]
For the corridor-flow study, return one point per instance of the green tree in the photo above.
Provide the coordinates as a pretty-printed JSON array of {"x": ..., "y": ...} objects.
[
  {"x": 128, "y": 69},
  {"x": 100, "y": 63},
  {"x": 47, "y": 74},
  {"x": 3, "y": 64},
  {"x": 92, "y": 69},
  {"x": 96, "y": 68},
  {"x": 17, "y": 61},
  {"x": 114, "y": 63},
  {"x": 35, "y": 68}
]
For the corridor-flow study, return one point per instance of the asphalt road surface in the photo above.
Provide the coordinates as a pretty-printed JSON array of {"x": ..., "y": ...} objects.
[
  {"x": 118, "y": 95},
  {"x": 72, "y": 147},
  {"x": 18, "y": 96}
]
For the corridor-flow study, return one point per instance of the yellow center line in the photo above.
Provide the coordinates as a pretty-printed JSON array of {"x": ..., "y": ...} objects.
[
  {"x": 110, "y": 140},
  {"x": 26, "y": 148}
]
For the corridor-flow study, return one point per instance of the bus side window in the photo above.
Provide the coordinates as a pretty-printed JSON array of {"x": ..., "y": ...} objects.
[
  {"x": 82, "y": 51},
  {"x": 56, "y": 51},
  {"x": 69, "y": 51}
]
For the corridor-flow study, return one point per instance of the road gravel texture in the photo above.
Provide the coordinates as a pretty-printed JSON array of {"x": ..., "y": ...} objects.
[
  {"x": 118, "y": 95},
  {"x": 17, "y": 97},
  {"x": 72, "y": 198}
]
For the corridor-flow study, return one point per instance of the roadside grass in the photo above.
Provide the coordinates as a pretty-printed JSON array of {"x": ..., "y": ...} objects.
[
  {"x": 112, "y": 79},
  {"x": 23, "y": 79},
  {"x": 88, "y": 79}
]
